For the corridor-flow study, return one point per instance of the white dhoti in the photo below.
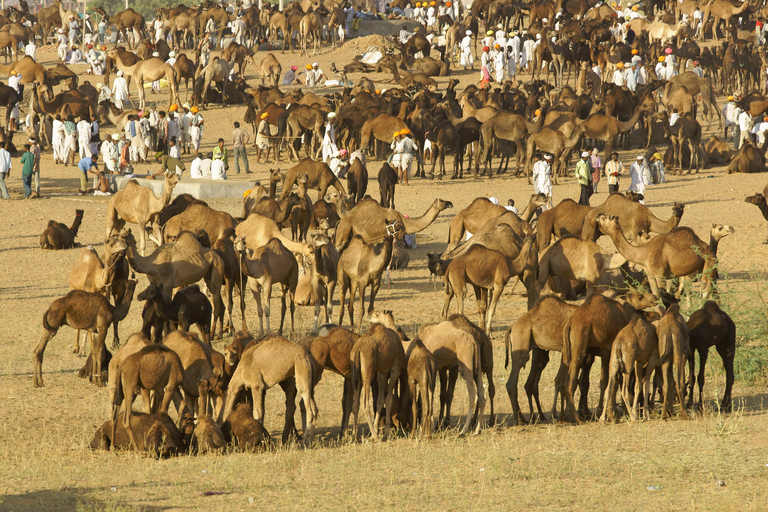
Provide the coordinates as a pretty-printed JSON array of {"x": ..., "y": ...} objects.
[
  {"x": 111, "y": 164},
  {"x": 466, "y": 58},
  {"x": 85, "y": 148},
  {"x": 196, "y": 134},
  {"x": 405, "y": 163},
  {"x": 218, "y": 172}
]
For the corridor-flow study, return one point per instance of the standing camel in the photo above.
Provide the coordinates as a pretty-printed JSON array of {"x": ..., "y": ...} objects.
[{"x": 147, "y": 71}]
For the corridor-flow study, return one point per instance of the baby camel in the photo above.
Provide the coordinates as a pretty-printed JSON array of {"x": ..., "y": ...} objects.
[
  {"x": 675, "y": 340},
  {"x": 377, "y": 354},
  {"x": 422, "y": 373},
  {"x": 272, "y": 263},
  {"x": 323, "y": 265},
  {"x": 59, "y": 236}
]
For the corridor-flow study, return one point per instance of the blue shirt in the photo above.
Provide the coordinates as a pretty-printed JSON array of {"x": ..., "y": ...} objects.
[{"x": 86, "y": 164}]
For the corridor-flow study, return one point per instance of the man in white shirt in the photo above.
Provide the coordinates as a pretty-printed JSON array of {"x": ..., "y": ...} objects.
[
  {"x": 185, "y": 123},
  {"x": 195, "y": 169},
  {"x": 57, "y": 140},
  {"x": 5, "y": 167},
  {"x": 541, "y": 174},
  {"x": 618, "y": 75},
  {"x": 238, "y": 30},
  {"x": 745, "y": 127},
  {"x": 84, "y": 137},
  {"x": 120, "y": 88},
  {"x": 730, "y": 116},
  {"x": 13, "y": 81},
  {"x": 31, "y": 48},
  {"x": 105, "y": 94}
]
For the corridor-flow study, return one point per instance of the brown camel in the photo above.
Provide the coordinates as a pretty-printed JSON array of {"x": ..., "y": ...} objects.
[
  {"x": 749, "y": 158},
  {"x": 487, "y": 271},
  {"x": 685, "y": 130},
  {"x": 233, "y": 280},
  {"x": 196, "y": 360},
  {"x": 153, "y": 368},
  {"x": 181, "y": 264},
  {"x": 276, "y": 360},
  {"x": 696, "y": 86},
  {"x": 380, "y": 128},
  {"x": 139, "y": 205},
  {"x": 311, "y": 25},
  {"x": 634, "y": 218},
  {"x": 199, "y": 216},
  {"x": 709, "y": 327},
  {"x": 271, "y": 70},
  {"x": 278, "y": 211},
  {"x": 504, "y": 126},
  {"x": 323, "y": 265},
  {"x": 320, "y": 178},
  {"x": 257, "y": 230},
  {"x": 272, "y": 263},
  {"x": 367, "y": 220},
  {"x": 182, "y": 24},
  {"x": 302, "y": 213},
  {"x": 759, "y": 201},
  {"x": 357, "y": 180},
  {"x": 216, "y": 72},
  {"x": 679, "y": 253},
  {"x": 156, "y": 435},
  {"x": 595, "y": 324},
  {"x": 674, "y": 338},
  {"x": 567, "y": 218},
  {"x": 134, "y": 343},
  {"x": 572, "y": 258},
  {"x": 362, "y": 264},
  {"x": 410, "y": 79},
  {"x": 558, "y": 145},
  {"x": 238, "y": 54},
  {"x": 278, "y": 21},
  {"x": 184, "y": 67},
  {"x": 302, "y": 120},
  {"x": 719, "y": 152},
  {"x": 421, "y": 371},
  {"x": 608, "y": 128},
  {"x": 146, "y": 71},
  {"x": 481, "y": 211},
  {"x": 58, "y": 236},
  {"x": 29, "y": 70},
  {"x": 241, "y": 430},
  {"x": 431, "y": 67},
  {"x": 377, "y": 354},
  {"x": 81, "y": 310},
  {"x": 65, "y": 103},
  {"x": 188, "y": 307},
  {"x": 125, "y": 21},
  {"x": 541, "y": 329},
  {"x": 720, "y": 10}
]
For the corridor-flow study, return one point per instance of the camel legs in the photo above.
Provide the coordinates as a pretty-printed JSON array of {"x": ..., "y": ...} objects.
[
  {"x": 345, "y": 284},
  {"x": 519, "y": 358},
  {"x": 38, "y": 357},
  {"x": 449, "y": 293},
  {"x": 256, "y": 290},
  {"x": 495, "y": 295},
  {"x": 473, "y": 392},
  {"x": 539, "y": 361},
  {"x": 448, "y": 377},
  {"x": 726, "y": 353},
  {"x": 346, "y": 405}
]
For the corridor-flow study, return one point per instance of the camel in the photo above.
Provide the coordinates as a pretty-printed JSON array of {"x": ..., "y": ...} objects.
[
  {"x": 196, "y": 216},
  {"x": 719, "y": 152},
  {"x": 153, "y": 368},
  {"x": 311, "y": 25},
  {"x": 477, "y": 217},
  {"x": 362, "y": 264},
  {"x": 184, "y": 67},
  {"x": 367, "y": 220},
  {"x": 759, "y": 201},
  {"x": 125, "y": 21},
  {"x": 748, "y": 159},
  {"x": 188, "y": 306},
  {"x": 674, "y": 338},
  {"x": 11, "y": 36},
  {"x": 278, "y": 21},
  {"x": 139, "y": 205},
  {"x": 453, "y": 346},
  {"x": 29, "y": 70},
  {"x": 558, "y": 145},
  {"x": 196, "y": 361},
  {"x": 540, "y": 328},
  {"x": 278, "y": 211},
  {"x": 679, "y": 253},
  {"x": 357, "y": 180},
  {"x": 184, "y": 24},
  {"x": 709, "y": 327},
  {"x": 207, "y": 436},
  {"x": 431, "y": 67},
  {"x": 685, "y": 129},
  {"x": 272, "y": 263},
  {"x": 508, "y": 127},
  {"x": 302, "y": 213},
  {"x": 380, "y": 128},
  {"x": 421, "y": 371},
  {"x": 233, "y": 279},
  {"x": 181, "y": 264},
  {"x": 720, "y": 10},
  {"x": 241, "y": 430},
  {"x": 332, "y": 351},
  {"x": 217, "y": 72},
  {"x": 572, "y": 258},
  {"x": 320, "y": 178},
  {"x": 696, "y": 86},
  {"x": 488, "y": 271},
  {"x": 81, "y": 310},
  {"x": 155, "y": 434},
  {"x": 663, "y": 32},
  {"x": 257, "y": 230},
  {"x": 323, "y": 265},
  {"x": 114, "y": 115},
  {"x": 58, "y": 236},
  {"x": 276, "y": 360},
  {"x": 65, "y": 103},
  {"x": 146, "y": 71},
  {"x": 595, "y": 324},
  {"x": 634, "y": 218},
  {"x": 567, "y": 218},
  {"x": 377, "y": 354},
  {"x": 387, "y": 179},
  {"x": 410, "y": 79},
  {"x": 608, "y": 128},
  {"x": 271, "y": 71}
]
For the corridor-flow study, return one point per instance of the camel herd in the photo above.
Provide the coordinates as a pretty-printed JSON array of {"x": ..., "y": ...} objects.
[{"x": 582, "y": 300}]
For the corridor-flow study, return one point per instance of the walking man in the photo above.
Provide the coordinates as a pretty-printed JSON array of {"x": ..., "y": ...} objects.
[
  {"x": 5, "y": 169},
  {"x": 239, "y": 139},
  {"x": 584, "y": 175},
  {"x": 613, "y": 169}
]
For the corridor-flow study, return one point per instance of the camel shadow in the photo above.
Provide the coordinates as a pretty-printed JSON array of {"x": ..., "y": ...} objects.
[{"x": 66, "y": 499}]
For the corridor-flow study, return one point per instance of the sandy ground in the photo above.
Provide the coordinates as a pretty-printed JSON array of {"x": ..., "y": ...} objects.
[{"x": 45, "y": 433}]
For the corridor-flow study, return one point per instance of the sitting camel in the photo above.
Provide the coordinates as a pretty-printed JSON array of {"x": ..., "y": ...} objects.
[
  {"x": 749, "y": 158},
  {"x": 139, "y": 205},
  {"x": 58, "y": 236},
  {"x": 81, "y": 310},
  {"x": 155, "y": 434},
  {"x": 272, "y": 263}
]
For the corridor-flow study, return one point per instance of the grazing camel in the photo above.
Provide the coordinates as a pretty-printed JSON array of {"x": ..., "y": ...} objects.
[
  {"x": 377, "y": 354},
  {"x": 674, "y": 340},
  {"x": 572, "y": 258},
  {"x": 153, "y": 368},
  {"x": 155, "y": 434},
  {"x": 196, "y": 360},
  {"x": 146, "y": 71},
  {"x": 387, "y": 179},
  {"x": 323, "y": 265},
  {"x": 452, "y": 345},
  {"x": 58, "y": 236},
  {"x": 207, "y": 436},
  {"x": 540, "y": 328},
  {"x": 242, "y": 431},
  {"x": 276, "y": 360},
  {"x": 319, "y": 175},
  {"x": 189, "y": 306},
  {"x": 679, "y": 253},
  {"x": 199, "y": 216},
  {"x": 421, "y": 371},
  {"x": 634, "y": 218},
  {"x": 362, "y": 264},
  {"x": 367, "y": 220},
  {"x": 708, "y": 327},
  {"x": 272, "y": 263},
  {"x": 81, "y": 310},
  {"x": 488, "y": 271},
  {"x": 139, "y": 205}
]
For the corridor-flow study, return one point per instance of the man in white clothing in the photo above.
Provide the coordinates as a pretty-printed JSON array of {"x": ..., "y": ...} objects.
[
  {"x": 195, "y": 169},
  {"x": 329, "y": 138},
  {"x": 542, "y": 172},
  {"x": 57, "y": 140},
  {"x": 185, "y": 123},
  {"x": 120, "y": 88},
  {"x": 31, "y": 48},
  {"x": 499, "y": 61},
  {"x": 745, "y": 128},
  {"x": 84, "y": 137},
  {"x": 238, "y": 30},
  {"x": 105, "y": 94},
  {"x": 730, "y": 116},
  {"x": 466, "y": 60},
  {"x": 618, "y": 75},
  {"x": 639, "y": 173}
]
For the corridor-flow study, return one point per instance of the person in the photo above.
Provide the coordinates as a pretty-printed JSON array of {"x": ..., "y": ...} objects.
[
  {"x": 290, "y": 76},
  {"x": 730, "y": 116},
  {"x": 613, "y": 170},
  {"x": 110, "y": 153},
  {"x": 27, "y": 164},
  {"x": 61, "y": 50},
  {"x": 102, "y": 27},
  {"x": 34, "y": 148},
  {"x": 221, "y": 152},
  {"x": 173, "y": 149},
  {"x": 661, "y": 73},
  {"x": 159, "y": 26},
  {"x": 120, "y": 87},
  {"x": 637, "y": 172},
  {"x": 74, "y": 28},
  {"x": 697, "y": 69},
  {"x": 98, "y": 67},
  {"x": 196, "y": 128},
  {"x": 631, "y": 76},
  {"x": 596, "y": 164},
  {"x": 657, "y": 168},
  {"x": 162, "y": 132},
  {"x": 262, "y": 138},
  {"x": 13, "y": 81},
  {"x": 488, "y": 39},
  {"x": 542, "y": 175},
  {"x": 185, "y": 123},
  {"x": 513, "y": 54},
  {"x": 70, "y": 138},
  {"x": 218, "y": 167},
  {"x": 145, "y": 130},
  {"x": 329, "y": 138},
  {"x": 125, "y": 157},
  {"x": 674, "y": 117},
  {"x": 31, "y": 48},
  {"x": 407, "y": 148},
  {"x": 87, "y": 165},
  {"x": 499, "y": 61},
  {"x": 210, "y": 28},
  {"x": 618, "y": 76},
  {"x": 57, "y": 139},
  {"x": 309, "y": 76},
  {"x": 485, "y": 64},
  {"x": 171, "y": 58},
  {"x": 5, "y": 170},
  {"x": 318, "y": 74},
  {"x": 697, "y": 17},
  {"x": 13, "y": 125},
  {"x": 204, "y": 46},
  {"x": 339, "y": 163},
  {"x": 84, "y": 136},
  {"x": 466, "y": 59},
  {"x": 168, "y": 163},
  {"x": 75, "y": 56},
  {"x": 195, "y": 170},
  {"x": 238, "y": 30},
  {"x": 431, "y": 19},
  {"x": 173, "y": 122},
  {"x": 584, "y": 175},
  {"x": 133, "y": 130},
  {"x": 642, "y": 74},
  {"x": 745, "y": 127},
  {"x": 239, "y": 139}
]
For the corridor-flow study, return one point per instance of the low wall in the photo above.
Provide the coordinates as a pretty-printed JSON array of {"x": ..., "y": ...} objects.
[
  {"x": 198, "y": 188},
  {"x": 381, "y": 27}
]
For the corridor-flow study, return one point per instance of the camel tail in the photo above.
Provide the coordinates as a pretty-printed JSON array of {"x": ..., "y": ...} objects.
[
  {"x": 46, "y": 325},
  {"x": 45, "y": 243},
  {"x": 567, "y": 343},
  {"x": 508, "y": 346}
]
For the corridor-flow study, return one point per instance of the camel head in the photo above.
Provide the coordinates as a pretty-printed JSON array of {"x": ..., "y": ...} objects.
[
  {"x": 239, "y": 245},
  {"x": 757, "y": 199},
  {"x": 678, "y": 209},
  {"x": 640, "y": 300},
  {"x": 276, "y": 176},
  {"x": 115, "y": 244},
  {"x": 538, "y": 200},
  {"x": 720, "y": 231},
  {"x": 321, "y": 239},
  {"x": 152, "y": 292},
  {"x": 384, "y": 318},
  {"x": 608, "y": 223},
  {"x": 442, "y": 205},
  {"x": 635, "y": 196},
  {"x": 395, "y": 229}
]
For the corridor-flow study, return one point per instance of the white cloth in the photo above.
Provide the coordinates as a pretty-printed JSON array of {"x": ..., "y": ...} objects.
[
  {"x": 745, "y": 121},
  {"x": 466, "y": 52},
  {"x": 13, "y": 82},
  {"x": 498, "y": 66},
  {"x": 218, "y": 172},
  {"x": 84, "y": 138},
  {"x": 195, "y": 168},
  {"x": 329, "y": 142},
  {"x": 120, "y": 88},
  {"x": 542, "y": 182},
  {"x": 636, "y": 173},
  {"x": 618, "y": 78}
]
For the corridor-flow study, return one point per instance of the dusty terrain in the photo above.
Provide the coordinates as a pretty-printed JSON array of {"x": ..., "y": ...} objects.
[{"x": 45, "y": 462}]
